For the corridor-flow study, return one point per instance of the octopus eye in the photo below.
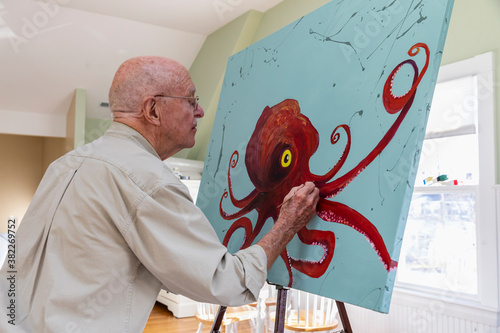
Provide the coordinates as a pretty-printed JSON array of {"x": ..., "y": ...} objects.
[{"x": 286, "y": 158}]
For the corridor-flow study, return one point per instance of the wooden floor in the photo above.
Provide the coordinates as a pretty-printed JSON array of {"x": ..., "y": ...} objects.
[{"x": 162, "y": 320}]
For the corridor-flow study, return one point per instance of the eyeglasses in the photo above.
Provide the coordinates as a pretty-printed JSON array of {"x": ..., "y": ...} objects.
[{"x": 195, "y": 98}]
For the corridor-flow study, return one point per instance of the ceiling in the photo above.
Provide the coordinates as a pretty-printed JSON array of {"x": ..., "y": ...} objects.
[
  {"x": 197, "y": 16},
  {"x": 47, "y": 51}
]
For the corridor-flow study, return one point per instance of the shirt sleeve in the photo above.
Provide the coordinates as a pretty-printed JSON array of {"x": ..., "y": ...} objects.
[{"x": 174, "y": 240}]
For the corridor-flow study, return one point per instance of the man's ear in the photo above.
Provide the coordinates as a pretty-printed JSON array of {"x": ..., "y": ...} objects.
[{"x": 150, "y": 111}]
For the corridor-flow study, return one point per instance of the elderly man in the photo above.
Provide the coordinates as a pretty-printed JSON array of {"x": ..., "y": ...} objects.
[{"x": 110, "y": 224}]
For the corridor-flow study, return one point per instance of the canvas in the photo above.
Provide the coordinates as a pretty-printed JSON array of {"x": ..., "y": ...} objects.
[{"x": 341, "y": 98}]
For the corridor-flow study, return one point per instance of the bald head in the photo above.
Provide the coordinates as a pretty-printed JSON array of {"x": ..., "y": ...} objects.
[
  {"x": 156, "y": 97},
  {"x": 144, "y": 76}
]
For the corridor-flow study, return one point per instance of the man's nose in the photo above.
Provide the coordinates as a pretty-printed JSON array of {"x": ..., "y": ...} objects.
[{"x": 199, "y": 112}]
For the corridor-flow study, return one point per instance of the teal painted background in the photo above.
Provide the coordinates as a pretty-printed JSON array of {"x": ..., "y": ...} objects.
[{"x": 334, "y": 62}]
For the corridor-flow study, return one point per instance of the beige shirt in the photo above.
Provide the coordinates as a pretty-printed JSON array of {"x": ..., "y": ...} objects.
[{"x": 108, "y": 226}]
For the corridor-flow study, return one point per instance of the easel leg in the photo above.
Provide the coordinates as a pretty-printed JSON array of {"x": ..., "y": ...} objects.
[
  {"x": 343, "y": 317},
  {"x": 279, "y": 320},
  {"x": 218, "y": 320}
]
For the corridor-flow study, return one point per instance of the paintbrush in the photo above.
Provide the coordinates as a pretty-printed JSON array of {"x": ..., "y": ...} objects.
[{"x": 284, "y": 202}]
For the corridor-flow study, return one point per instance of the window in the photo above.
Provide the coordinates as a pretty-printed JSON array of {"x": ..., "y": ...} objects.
[{"x": 449, "y": 244}]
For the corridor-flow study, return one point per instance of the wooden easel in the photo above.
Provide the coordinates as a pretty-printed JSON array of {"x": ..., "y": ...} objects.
[{"x": 279, "y": 323}]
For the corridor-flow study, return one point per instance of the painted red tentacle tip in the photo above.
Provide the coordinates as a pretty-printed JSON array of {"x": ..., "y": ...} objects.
[{"x": 394, "y": 265}]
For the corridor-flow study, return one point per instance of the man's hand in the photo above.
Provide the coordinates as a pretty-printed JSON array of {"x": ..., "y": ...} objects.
[{"x": 298, "y": 208}]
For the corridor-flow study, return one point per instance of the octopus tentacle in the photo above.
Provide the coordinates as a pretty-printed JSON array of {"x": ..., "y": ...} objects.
[
  {"x": 395, "y": 103},
  {"x": 334, "y": 139},
  {"x": 286, "y": 259},
  {"x": 339, "y": 213},
  {"x": 248, "y": 208},
  {"x": 236, "y": 202},
  {"x": 247, "y": 204},
  {"x": 251, "y": 232},
  {"x": 325, "y": 239},
  {"x": 261, "y": 220},
  {"x": 244, "y": 223},
  {"x": 333, "y": 188}
]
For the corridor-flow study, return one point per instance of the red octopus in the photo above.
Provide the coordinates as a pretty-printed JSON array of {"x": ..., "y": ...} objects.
[{"x": 277, "y": 159}]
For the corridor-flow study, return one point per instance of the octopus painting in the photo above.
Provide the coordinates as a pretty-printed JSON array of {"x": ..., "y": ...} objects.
[{"x": 277, "y": 159}]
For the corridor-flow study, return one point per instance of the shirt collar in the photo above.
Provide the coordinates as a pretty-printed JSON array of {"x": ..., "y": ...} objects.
[{"x": 123, "y": 131}]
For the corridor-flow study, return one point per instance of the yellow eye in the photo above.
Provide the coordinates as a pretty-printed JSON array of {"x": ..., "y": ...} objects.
[{"x": 286, "y": 158}]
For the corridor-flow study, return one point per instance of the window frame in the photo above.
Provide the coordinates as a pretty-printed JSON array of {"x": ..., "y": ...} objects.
[{"x": 487, "y": 232}]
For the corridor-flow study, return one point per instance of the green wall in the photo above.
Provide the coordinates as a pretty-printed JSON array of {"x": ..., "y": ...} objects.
[
  {"x": 79, "y": 121},
  {"x": 95, "y": 128}
]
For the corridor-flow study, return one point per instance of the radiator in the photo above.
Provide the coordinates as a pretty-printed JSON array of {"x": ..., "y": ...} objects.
[{"x": 432, "y": 317}]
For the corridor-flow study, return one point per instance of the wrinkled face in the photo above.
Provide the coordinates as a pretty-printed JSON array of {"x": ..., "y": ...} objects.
[
  {"x": 280, "y": 146},
  {"x": 179, "y": 115}
]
